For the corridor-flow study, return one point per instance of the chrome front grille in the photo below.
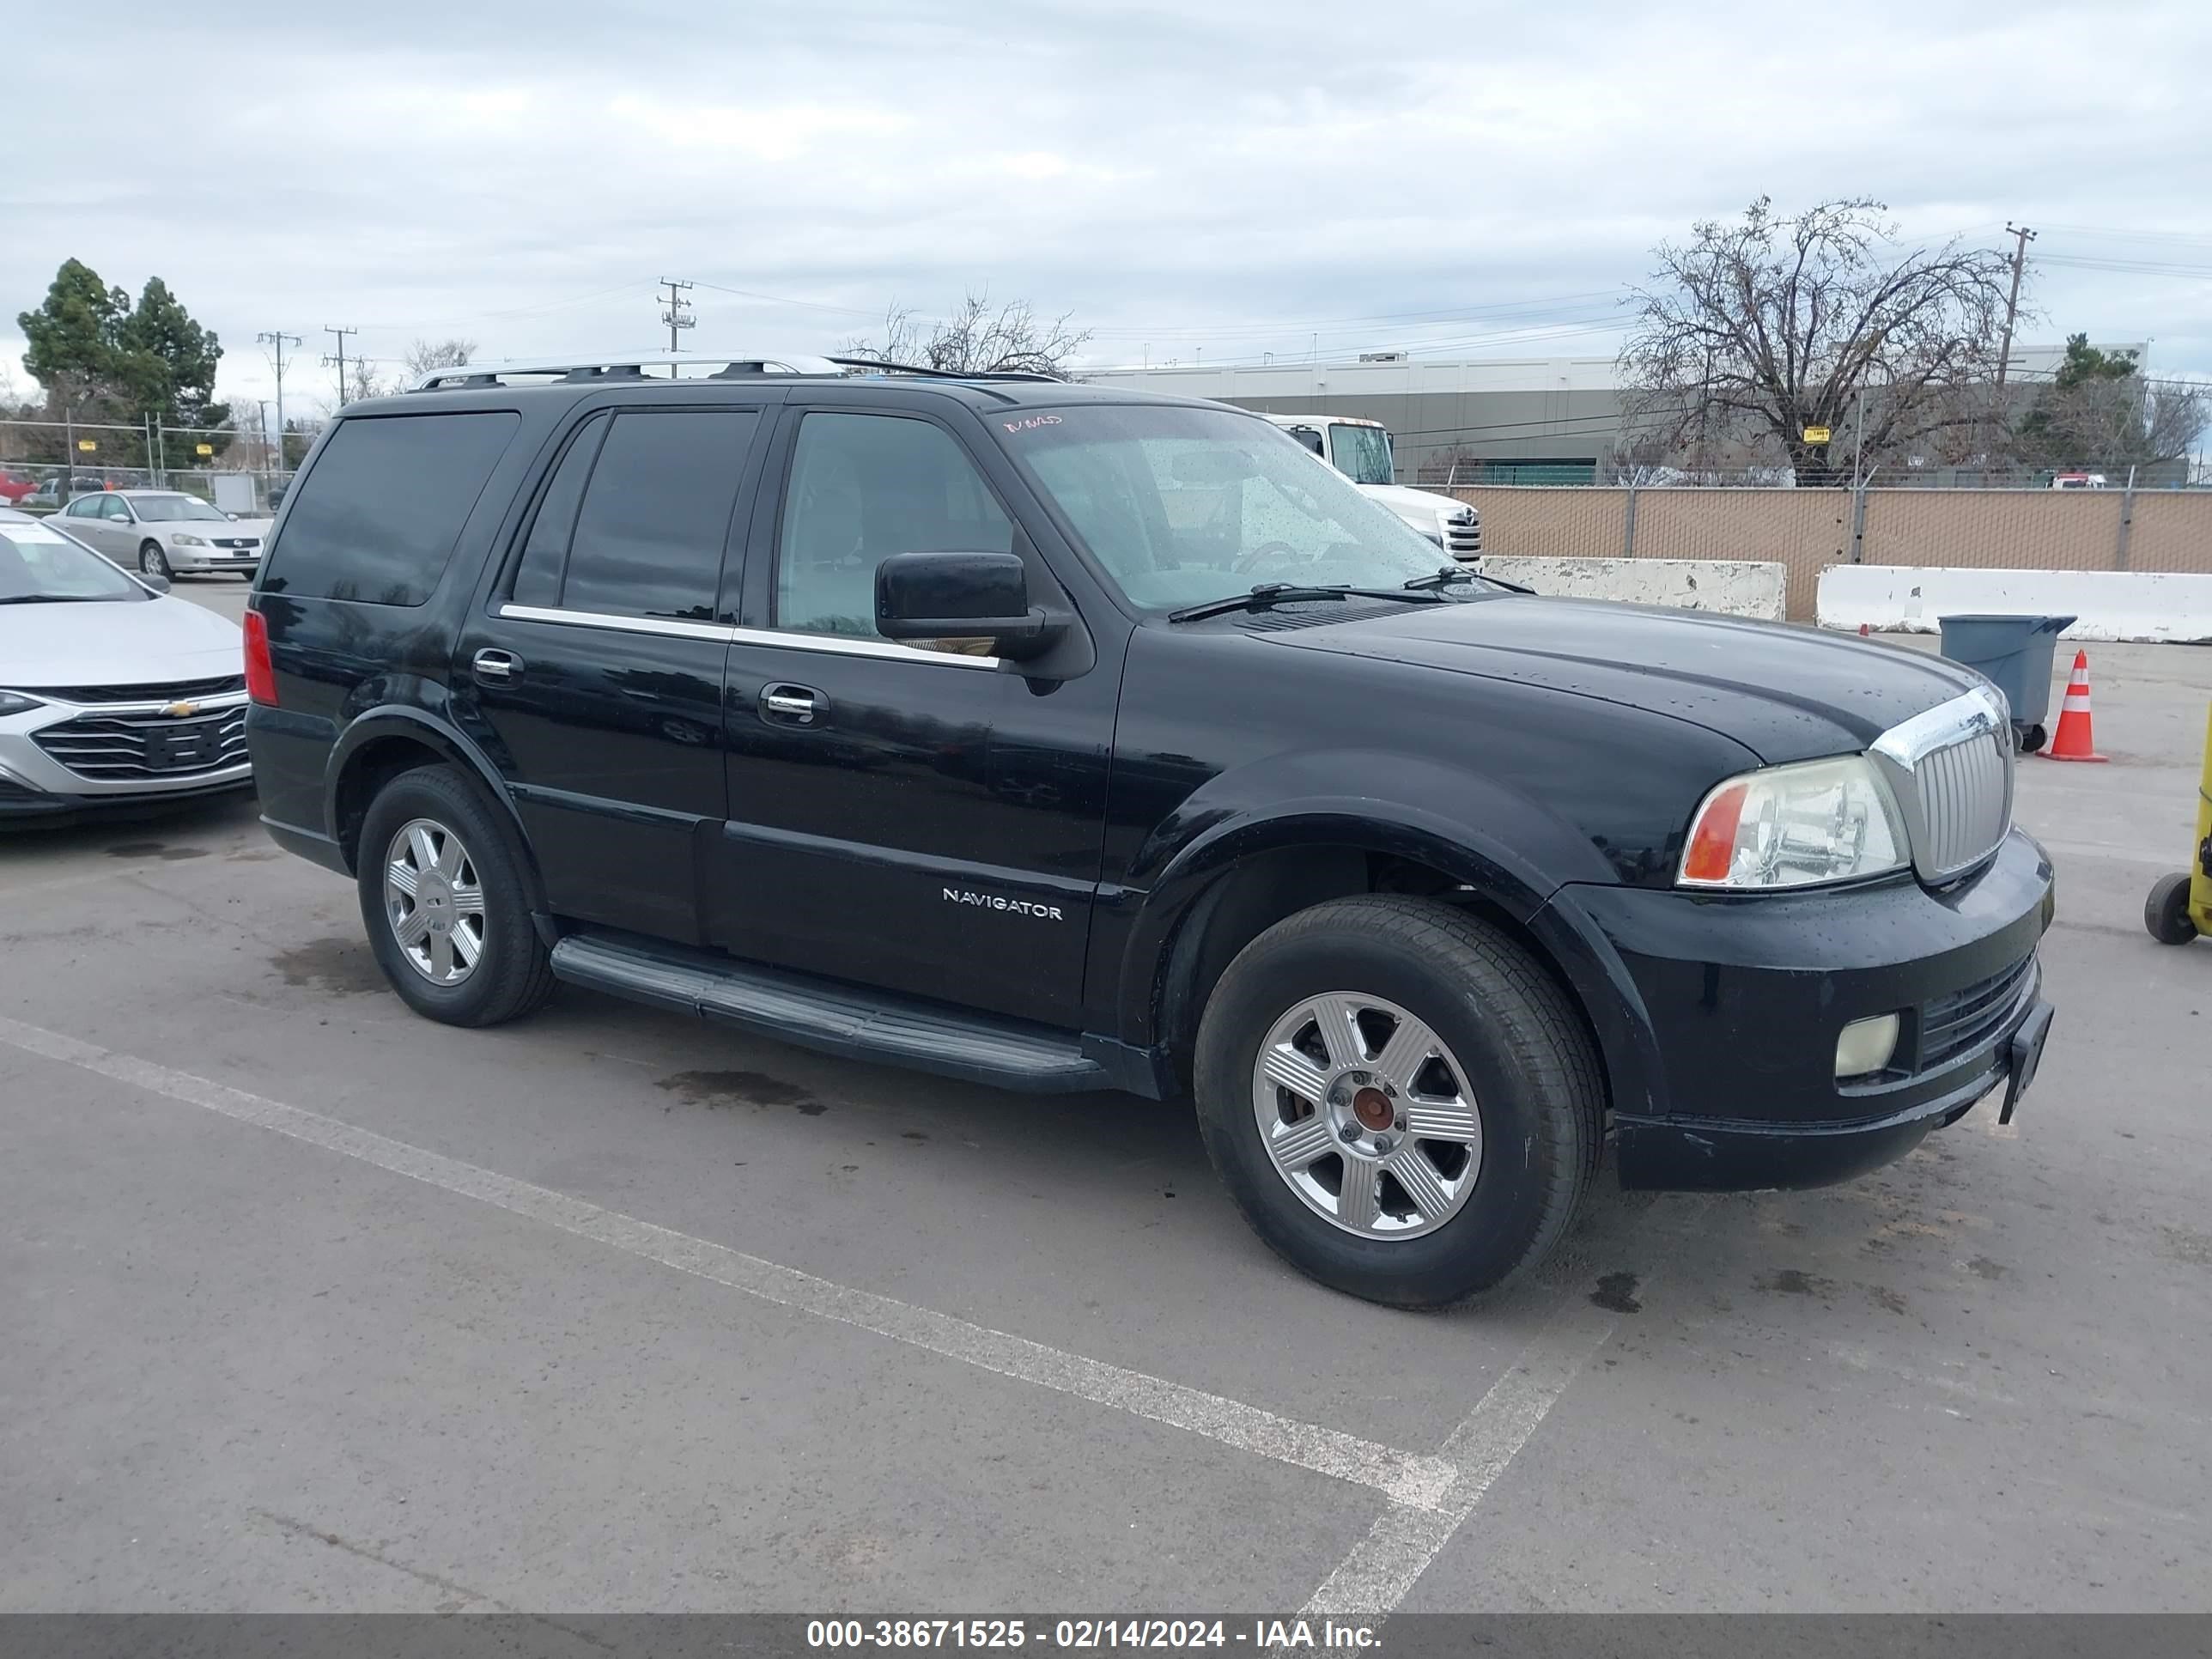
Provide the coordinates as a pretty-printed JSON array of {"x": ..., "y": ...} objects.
[
  {"x": 1965, "y": 800},
  {"x": 1951, "y": 770},
  {"x": 169, "y": 747},
  {"x": 1463, "y": 534}
]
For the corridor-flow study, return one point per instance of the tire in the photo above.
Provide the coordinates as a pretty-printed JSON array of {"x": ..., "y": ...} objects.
[
  {"x": 1505, "y": 1033},
  {"x": 2031, "y": 739},
  {"x": 152, "y": 561},
  {"x": 472, "y": 886},
  {"x": 2166, "y": 912}
]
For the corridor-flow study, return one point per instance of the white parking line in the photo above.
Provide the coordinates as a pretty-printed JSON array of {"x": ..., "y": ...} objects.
[
  {"x": 1413, "y": 1479},
  {"x": 1383, "y": 1566}
]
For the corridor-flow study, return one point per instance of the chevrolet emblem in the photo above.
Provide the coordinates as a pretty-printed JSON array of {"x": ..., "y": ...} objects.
[{"x": 181, "y": 709}]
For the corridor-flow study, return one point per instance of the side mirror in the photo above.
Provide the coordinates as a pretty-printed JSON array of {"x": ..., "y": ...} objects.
[
  {"x": 159, "y": 584},
  {"x": 232, "y": 517},
  {"x": 939, "y": 596}
]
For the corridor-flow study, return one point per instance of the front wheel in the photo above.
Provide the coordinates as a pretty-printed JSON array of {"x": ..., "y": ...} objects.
[
  {"x": 1401, "y": 1101},
  {"x": 152, "y": 562},
  {"x": 446, "y": 900}
]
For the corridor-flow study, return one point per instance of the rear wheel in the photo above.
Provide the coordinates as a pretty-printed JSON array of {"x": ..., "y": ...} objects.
[
  {"x": 1400, "y": 1099},
  {"x": 2166, "y": 912},
  {"x": 446, "y": 902},
  {"x": 152, "y": 562}
]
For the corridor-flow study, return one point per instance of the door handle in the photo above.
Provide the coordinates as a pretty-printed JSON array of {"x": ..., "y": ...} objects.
[
  {"x": 496, "y": 665},
  {"x": 793, "y": 705}
]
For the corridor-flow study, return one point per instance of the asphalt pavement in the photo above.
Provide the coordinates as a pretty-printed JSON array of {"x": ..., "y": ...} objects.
[{"x": 310, "y": 1305}]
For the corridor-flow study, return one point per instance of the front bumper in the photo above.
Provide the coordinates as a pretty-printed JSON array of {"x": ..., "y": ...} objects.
[
  {"x": 201, "y": 560},
  {"x": 129, "y": 755},
  {"x": 1741, "y": 999}
]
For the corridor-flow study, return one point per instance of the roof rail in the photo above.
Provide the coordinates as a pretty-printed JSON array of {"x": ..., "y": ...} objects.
[
  {"x": 627, "y": 366},
  {"x": 871, "y": 365}
]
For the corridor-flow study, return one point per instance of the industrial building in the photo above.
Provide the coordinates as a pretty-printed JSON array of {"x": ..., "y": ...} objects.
[{"x": 1497, "y": 420}]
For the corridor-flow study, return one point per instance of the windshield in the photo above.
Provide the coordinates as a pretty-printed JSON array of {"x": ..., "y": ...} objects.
[
  {"x": 166, "y": 509},
  {"x": 1180, "y": 505},
  {"x": 1363, "y": 453},
  {"x": 38, "y": 564}
]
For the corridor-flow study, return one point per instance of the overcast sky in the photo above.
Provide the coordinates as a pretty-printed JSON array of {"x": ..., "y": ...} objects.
[{"x": 1226, "y": 178}]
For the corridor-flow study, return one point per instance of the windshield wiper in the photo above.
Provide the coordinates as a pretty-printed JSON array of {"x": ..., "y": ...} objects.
[
  {"x": 1267, "y": 595},
  {"x": 48, "y": 599},
  {"x": 1459, "y": 573}
]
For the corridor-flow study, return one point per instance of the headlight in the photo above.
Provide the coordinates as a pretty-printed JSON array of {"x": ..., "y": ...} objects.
[
  {"x": 15, "y": 703},
  {"x": 185, "y": 538},
  {"x": 1791, "y": 826}
]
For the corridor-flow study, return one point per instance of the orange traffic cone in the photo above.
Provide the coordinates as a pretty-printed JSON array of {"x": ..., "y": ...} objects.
[{"x": 2073, "y": 740}]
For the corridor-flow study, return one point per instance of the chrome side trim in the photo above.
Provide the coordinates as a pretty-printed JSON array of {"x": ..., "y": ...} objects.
[
  {"x": 669, "y": 626},
  {"x": 846, "y": 645},
  {"x": 841, "y": 644}
]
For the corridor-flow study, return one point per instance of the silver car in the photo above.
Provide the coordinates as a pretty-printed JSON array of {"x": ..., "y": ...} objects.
[
  {"x": 111, "y": 693},
  {"x": 160, "y": 532}
]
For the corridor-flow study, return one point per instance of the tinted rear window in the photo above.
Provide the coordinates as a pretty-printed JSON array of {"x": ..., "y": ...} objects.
[{"x": 377, "y": 514}]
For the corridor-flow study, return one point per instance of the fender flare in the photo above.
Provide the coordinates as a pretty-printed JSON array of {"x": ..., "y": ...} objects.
[
  {"x": 1485, "y": 842},
  {"x": 399, "y": 721}
]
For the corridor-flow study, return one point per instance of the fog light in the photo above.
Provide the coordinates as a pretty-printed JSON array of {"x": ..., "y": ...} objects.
[{"x": 1866, "y": 1045}]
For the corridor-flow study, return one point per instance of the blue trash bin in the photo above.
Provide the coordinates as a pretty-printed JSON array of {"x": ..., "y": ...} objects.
[{"x": 2014, "y": 653}]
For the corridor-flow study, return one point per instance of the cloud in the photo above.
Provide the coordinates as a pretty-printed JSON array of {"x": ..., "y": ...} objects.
[{"x": 1247, "y": 177}]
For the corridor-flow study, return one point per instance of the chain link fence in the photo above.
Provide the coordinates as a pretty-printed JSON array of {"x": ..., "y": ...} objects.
[
  {"x": 45, "y": 463},
  {"x": 2166, "y": 529}
]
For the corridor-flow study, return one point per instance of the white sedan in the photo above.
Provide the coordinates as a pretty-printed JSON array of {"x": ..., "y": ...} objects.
[
  {"x": 111, "y": 695},
  {"x": 160, "y": 532}
]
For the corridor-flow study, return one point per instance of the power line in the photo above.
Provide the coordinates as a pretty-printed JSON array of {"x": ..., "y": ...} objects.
[
  {"x": 2022, "y": 236},
  {"x": 280, "y": 340},
  {"x": 338, "y": 335},
  {"x": 677, "y": 313}
]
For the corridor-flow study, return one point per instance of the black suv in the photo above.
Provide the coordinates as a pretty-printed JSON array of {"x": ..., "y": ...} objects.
[{"x": 1063, "y": 738}]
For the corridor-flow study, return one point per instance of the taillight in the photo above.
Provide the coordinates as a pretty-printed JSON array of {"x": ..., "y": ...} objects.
[{"x": 260, "y": 674}]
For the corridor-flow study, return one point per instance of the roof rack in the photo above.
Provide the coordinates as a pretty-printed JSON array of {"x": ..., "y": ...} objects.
[
  {"x": 871, "y": 365},
  {"x": 629, "y": 366}
]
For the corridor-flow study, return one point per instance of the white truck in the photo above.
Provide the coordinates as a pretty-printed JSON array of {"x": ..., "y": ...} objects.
[{"x": 1361, "y": 451}]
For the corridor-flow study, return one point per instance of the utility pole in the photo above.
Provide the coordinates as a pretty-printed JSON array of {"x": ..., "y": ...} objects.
[
  {"x": 280, "y": 340},
  {"x": 677, "y": 312},
  {"x": 2022, "y": 236},
  {"x": 340, "y": 334}
]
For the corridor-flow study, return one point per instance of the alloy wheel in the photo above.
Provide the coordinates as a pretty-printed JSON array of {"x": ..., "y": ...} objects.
[
  {"x": 1367, "y": 1116},
  {"x": 433, "y": 900}
]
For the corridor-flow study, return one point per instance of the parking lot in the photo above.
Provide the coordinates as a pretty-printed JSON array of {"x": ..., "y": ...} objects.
[{"x": 311, "y": 1304}]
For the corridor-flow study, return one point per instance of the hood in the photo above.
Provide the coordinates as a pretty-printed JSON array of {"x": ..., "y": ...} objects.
[
  {"x": 1785, "y": 693},
  {"x": 159, "y": 642},
  {"x": 1418, "y": 508}
]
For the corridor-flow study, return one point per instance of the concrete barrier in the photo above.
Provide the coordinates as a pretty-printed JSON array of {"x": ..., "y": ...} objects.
[
  {"x": 1737, "y": 587},
  {"x": 2153, "y": 606}
]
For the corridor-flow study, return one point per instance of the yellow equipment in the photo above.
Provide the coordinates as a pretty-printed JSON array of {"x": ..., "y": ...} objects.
[{"x": 2181, "y": 905}]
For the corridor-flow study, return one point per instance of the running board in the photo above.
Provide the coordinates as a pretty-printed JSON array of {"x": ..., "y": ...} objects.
[{"x": 834, "y": 1019}]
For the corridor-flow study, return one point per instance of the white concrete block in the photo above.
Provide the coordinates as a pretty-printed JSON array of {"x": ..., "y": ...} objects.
[
  {"x": 1737, "y": 587},
  {"x": 2152, "y": 607}
]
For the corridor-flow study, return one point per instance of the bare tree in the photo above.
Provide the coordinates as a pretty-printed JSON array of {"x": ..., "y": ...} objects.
[
  {"x": 424, "y": 356},
  {"x": 978, "y": 338},
  {"x": 1757, "y": 329}
]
